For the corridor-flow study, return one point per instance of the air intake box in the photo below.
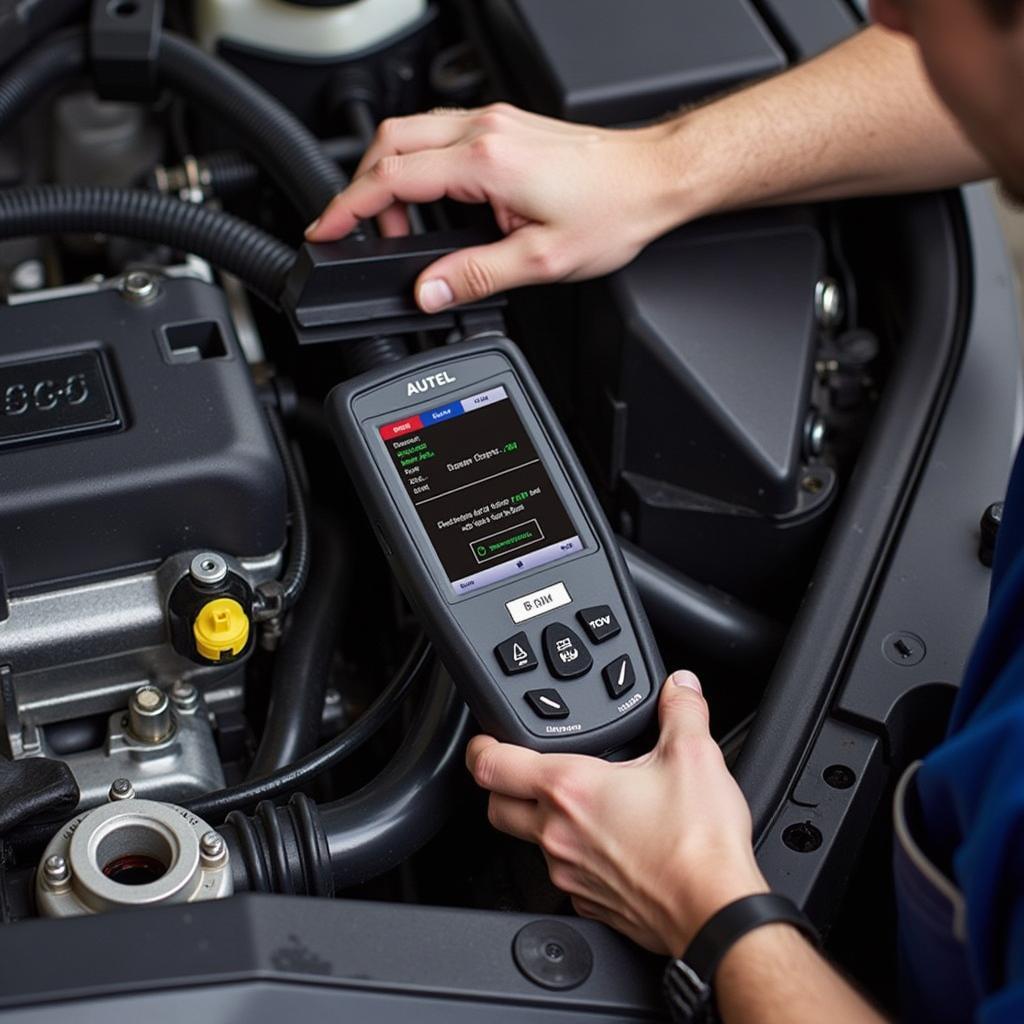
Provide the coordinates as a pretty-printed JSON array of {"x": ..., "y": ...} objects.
[
  {"x": 129, "y": 431},
  {"x": 610, "y": 62},
  {"x": 692, "y": 393}
]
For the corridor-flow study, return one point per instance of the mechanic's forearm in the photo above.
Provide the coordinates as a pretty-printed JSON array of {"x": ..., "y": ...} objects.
[
  {"x": 861, "y": 119},
  {"x": 774, "y": 976}
]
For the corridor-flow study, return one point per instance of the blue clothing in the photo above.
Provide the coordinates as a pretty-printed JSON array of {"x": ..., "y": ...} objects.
[
  {"x": 970, "y": 790},
  {"x": 936, "y": 986}
]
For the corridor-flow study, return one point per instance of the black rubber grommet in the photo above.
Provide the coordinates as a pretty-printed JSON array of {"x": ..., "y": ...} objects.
[{"x": 552, "y": 954}]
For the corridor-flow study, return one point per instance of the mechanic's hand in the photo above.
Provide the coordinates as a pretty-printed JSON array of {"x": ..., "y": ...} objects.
[
  {"x": 573, "y": 201},
  {"x": 652, "y": 847}
]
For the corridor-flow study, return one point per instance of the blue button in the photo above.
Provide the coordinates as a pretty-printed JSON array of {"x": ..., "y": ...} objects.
[{"x": 444, "y": 412}]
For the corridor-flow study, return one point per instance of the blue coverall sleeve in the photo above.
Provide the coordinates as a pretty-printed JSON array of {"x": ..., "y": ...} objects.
[{"x": 972, "y": 795}]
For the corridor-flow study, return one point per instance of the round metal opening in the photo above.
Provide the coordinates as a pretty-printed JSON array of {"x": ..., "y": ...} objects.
[{"x": 134, "y": 854}]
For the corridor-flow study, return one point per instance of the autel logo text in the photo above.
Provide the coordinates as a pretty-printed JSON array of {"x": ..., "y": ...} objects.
[{"x": 419, "y": 387}]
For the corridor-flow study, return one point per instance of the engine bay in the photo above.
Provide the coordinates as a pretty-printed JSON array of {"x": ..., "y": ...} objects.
[{"x": 213, "y": 690}]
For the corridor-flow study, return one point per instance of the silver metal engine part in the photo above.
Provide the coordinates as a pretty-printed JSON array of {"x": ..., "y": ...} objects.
[
  {"x": 83, "y": 653},
  {"x": 88, "y": 650},
  {"x": 180, "y": 761},
  {"x": 131, "y": 853}
]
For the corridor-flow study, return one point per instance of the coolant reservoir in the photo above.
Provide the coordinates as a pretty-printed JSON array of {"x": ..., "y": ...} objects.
[{"x": 305, "y": 29}]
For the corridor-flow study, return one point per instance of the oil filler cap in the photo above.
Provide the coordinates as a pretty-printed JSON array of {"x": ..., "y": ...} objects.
[
  {"x": 221, "y": 628},
  {"x": 552, "y": 954}
]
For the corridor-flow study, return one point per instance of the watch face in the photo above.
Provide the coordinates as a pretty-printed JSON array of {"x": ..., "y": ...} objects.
[{"x": 689, "y": 998}]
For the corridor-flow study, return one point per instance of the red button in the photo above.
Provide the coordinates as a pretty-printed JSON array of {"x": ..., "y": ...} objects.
[{"x": 397, "y": 429}]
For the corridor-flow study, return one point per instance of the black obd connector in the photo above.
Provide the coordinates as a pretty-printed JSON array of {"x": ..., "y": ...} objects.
[{"x": 359, "y": 288}]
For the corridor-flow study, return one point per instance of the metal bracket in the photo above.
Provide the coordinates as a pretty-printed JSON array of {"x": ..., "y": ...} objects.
[
  {"x": 124, "y": 41},
  {"x": 341, "y": 291}
]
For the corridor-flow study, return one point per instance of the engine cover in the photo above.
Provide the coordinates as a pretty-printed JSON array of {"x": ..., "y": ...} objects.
[
  {"x": 129, "y": 430},
  {"x": 608, "y": 62}
]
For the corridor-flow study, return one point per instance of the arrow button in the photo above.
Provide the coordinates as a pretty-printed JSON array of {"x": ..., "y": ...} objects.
[
  {"x": 547, "y": 703},
  {"x": 619, "y": 676}
]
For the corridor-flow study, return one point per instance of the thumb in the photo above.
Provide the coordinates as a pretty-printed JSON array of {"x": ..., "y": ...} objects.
[
  {"x": 682, "y": 710},
  {"x": 480, "y": 272}
]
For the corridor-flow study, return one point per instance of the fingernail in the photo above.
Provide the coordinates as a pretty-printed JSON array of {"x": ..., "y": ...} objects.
[
  {"x": 435, "y": 295},
  {"x": 686, "y": 679},
  {"x": 312, "y": 227}
]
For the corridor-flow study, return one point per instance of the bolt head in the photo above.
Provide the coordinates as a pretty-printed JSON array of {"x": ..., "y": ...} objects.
[
  {"x": 208, "y": 568},
  {"x": 121, "y": 789},
  {"x": 55, "y": 870},
  {"x": 212, "y": 848},
  {"x": 28, "y": 276},
  {"x": 814, "y": 434},
  {"x": 138, "y": 286},
  {"x": 812, "y": 484},
  {"x": 828, "y": 303},
  {"x": 185, "y": 695}
]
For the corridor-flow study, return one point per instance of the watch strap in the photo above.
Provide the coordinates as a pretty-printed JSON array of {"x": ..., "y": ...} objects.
[
  {"x": 687, "y": 980},
  {"x": 726, "y": 927}
]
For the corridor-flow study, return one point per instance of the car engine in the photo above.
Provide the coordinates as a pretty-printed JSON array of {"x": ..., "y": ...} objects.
[
  {"x": 147, "y": 466},
  {"x": 213, "y": 691}
]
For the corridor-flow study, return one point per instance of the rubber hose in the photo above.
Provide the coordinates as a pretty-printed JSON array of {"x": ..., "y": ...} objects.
[
  {"x": 228, "y": 173},
  {"x": 368, "y": 353},
  {"x": 280, "y": 849},
  {"x": 24, "y": 21},
  {"x": 297, "y": 571},
  {"x": 282, "y": 144},
  {"x": 214, "y": 806},
  {"x": 59, "y": 59},
  {"x": 389, "y": 819},
  {"x": 286, "y": 149},
  {"x": 302, "y": 663},
  {"x": 228, "y": 242},
  {"x": 300, "y": 848},
  {"x": 712, "y": 623}
]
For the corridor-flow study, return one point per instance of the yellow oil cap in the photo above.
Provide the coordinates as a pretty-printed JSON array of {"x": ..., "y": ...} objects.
[{"x": 221, "y": 627}]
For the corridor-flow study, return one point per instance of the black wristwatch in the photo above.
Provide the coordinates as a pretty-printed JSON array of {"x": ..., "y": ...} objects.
[{"x": 688, "y": 980}]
